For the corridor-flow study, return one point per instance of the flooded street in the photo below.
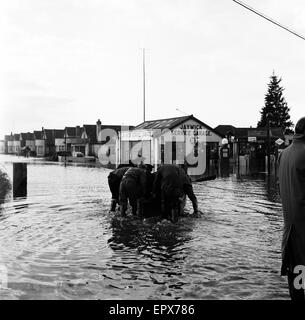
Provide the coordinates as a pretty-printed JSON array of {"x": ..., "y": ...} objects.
[{"x": 61, "y": 242}]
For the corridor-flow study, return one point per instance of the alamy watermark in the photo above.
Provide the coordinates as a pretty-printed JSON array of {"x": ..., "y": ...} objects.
[
  {"x": 180, "y": 146},
  {"x": 3, "y": 277},
  {"x": 299, "y": 280}
]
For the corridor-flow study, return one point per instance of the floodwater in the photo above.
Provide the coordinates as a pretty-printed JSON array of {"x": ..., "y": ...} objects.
[{"x": 61, "y": 242}]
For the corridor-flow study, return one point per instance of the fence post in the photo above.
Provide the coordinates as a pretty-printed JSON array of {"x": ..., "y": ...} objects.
[{"x": 19, "y": 179}]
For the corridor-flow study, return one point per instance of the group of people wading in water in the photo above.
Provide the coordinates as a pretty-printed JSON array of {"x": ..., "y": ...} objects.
[{"x": 163, "y": 191}]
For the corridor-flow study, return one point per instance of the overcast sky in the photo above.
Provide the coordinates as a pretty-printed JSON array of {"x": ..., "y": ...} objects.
[{"x": 70, "y": 62}]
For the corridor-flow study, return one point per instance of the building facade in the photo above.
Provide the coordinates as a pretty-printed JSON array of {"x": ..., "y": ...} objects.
[
  {"x": 16, "y": 144},
  {"x": 39, "y": 144},
  {"x": 173, "y": 140},
  {"x": 71, "y": 135},
  {"x": 2, "y": 146},
  {"x": 27, "y": 142},
  {"x": 252, "y": 143}
]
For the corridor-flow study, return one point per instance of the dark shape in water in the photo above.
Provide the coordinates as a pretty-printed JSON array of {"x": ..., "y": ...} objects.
[
  {"x": 19, "y": 180},
  {"x": 5, "y": 186}
]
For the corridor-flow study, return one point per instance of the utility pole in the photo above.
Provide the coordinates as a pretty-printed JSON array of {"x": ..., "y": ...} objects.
[
  {"x": 65, "y": 147},
  {"x": 268, "y": 145},
  {"x": 144, "y": 107},
  {"x": 246, "y": 6}
]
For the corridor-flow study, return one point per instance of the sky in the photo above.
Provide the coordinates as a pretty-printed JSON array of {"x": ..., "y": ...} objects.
[{"x": 71, "y": 62}]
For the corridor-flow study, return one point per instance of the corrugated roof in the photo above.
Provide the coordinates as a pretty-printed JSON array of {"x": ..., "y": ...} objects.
[
  {"x": 162, "y": 123},
  {"x": 172, "y": 123}
]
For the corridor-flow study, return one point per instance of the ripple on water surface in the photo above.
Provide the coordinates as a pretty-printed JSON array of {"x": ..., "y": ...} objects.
[{"x": 60, "y": 242}]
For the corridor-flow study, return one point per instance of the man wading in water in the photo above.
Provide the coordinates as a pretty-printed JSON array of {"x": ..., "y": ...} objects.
[
  {"x": 172, "y": 182},
  {"x": 292, "y": 192},
  {"x": 133, "y": 187}
]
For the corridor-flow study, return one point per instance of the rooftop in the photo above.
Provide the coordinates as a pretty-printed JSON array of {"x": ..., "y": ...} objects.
[
  {"x": 26, "y": 136},
  {"x": 73, "y": 131},
  {"x": 162, "y": 123},
  {"x": 37, "y": 135},
  {"x": 244, "y": 132}
]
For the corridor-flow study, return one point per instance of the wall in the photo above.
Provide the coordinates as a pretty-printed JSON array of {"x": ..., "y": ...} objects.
[
  {"x": 10, "y": 147},
  {"x": 152, "y": 150},
  {"x": 190, "y": 125},
  {"x": 2, "y": 146},
  {"x": 60, "y": 144},
  {"x": 30, "y": 144},
  {"x": 40, "y": 147},
  {"x": 16, "y": 147}
]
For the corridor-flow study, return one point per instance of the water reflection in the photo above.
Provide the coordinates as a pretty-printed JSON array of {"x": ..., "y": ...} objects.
[
  {"x": 61, "y": 241},
  {"x": 150, "y": 233}
]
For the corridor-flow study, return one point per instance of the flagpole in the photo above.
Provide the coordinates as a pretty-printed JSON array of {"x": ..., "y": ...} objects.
[{"x": 144, "y": 107}]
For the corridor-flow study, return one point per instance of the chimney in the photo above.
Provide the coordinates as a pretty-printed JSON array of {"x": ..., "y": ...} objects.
[
  {"x": 77, "y": 131},
  {"x": 98, "y": 128}
]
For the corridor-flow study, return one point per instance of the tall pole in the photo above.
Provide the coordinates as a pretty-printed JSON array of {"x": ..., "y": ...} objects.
[
  {"x": 65, "y": 148},
  {"x": 268, "y": 147},
  {"x": 144, "y": 110}
]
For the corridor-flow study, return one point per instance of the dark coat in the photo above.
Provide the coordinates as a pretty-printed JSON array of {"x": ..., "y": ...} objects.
[
  {"x": 119, "y": 172},
  {"x": 114, "y": 180},
  {"x": 171, "y": 177},
  {"x": 139, "y": 176},
  {"x": 291, "y": 177}
]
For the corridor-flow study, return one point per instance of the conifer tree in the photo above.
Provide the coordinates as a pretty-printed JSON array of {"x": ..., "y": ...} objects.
[{"x": 276, "y": 108}]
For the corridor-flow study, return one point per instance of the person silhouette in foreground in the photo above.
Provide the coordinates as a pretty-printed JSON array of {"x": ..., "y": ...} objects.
[{"x": 291, "y": 179}]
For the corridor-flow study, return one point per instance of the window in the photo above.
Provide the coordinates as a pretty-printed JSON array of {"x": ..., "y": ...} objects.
[{"x": 39, "y": 149}]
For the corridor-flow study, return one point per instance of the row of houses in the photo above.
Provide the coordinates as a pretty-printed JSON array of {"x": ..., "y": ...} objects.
[
  {"x": 88, "y": 139},
  {"x": 49, "y": 142}
]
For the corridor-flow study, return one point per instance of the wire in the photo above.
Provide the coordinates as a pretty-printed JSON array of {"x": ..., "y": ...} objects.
[{"x": 269, "y": 19}]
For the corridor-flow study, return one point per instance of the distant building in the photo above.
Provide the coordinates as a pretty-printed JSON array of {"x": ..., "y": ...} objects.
[
  {"x": 16, "y": 144},
  {"x": 50, "y": 135},
  {"x": 2, "y": 146},
  {"x": 93, "y": 137},
  {"x": 39, "y": 144},
  {"x": 70, "y": 137},
  {"x": 27, "y": 140},
  {"x": 10, "y": 143},
  {"x": 250, "y": 141},
  {"x": 48, "y": 142},
  {"x": 150, "y": 138}
]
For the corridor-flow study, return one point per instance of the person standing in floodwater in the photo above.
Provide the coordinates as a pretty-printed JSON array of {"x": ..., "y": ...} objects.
[
  {"x": 172, "y": 182},
  {"x": 133, "y": 187},
  {"x": 291, "y": 177},
  {"x": 114, "y": 179}
]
